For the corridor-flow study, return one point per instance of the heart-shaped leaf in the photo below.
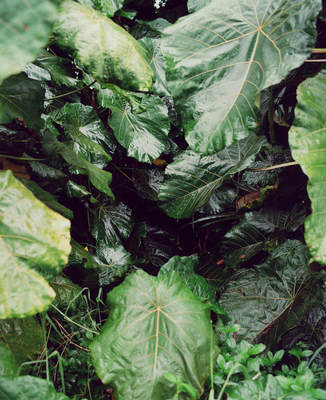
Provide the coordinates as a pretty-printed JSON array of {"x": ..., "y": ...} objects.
[
  {"x": 156, "y": 325},
  {"x": 273, "y": 297},
  {"x": 220, "y": 57},
  {"x": 308, "y": 141},
  {"x": 34, "y": 241}
]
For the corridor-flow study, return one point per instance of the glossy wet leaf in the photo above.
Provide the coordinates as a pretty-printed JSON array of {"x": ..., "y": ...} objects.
[
  {"x": 259, "y": 230},
  {"x": 109, "y": 7},
  {"x": 307, "y": 141},
  {"x": 156, "y": 325},
  {"x": 23, "y": 337},
  {"x": 28, "y": 388},
  {"x": 140, "y": 124},
  {"x": 273, "y": 297},
  {"x": 25, "y": 27},
  {"x": 34, "y": 241},
  {"x": 21, "y": 97},
  {"x": 8, "y": 364},
  {"x": 100, "y": 46},
  {"x": 100, "y": 178},
  {"x": 185, "y": 267},
  {"x": 191, "y": 178},
  {"x": 220, "y": 57}
]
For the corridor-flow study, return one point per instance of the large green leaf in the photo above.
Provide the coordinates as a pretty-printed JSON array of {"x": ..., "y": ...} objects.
[
  {"x": 28, "y": 388},
  {"x": 273, "y": 297},
  {"x": 191, "y": 178},
  {"x": 258, "y": 230},
  {"x": 8, "y": 364},
  {"x": 33, "y": 240},
  {"x": 308, "y": 142},
  {"x": 21, "y": 97},
  {"x": 23, "y": 337},
  {"x": 185, "y": 267},
  {"x": 103, "y": 48},
  {"x": 140, "y": 122},
  {"x": 220, "y": 57},
  {"x": 25, "y": 27},
  {"x": 156, "y": 325}
]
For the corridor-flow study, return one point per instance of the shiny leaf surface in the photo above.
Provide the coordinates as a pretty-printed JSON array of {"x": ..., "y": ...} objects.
[
  {"x": 191, "y": 178},
  {"x": 101, "y": 46},
  {"x": 156, "y": 325},
  {"x": 109, "y": 7},
  {"x": 185, "y": 267},
  {"x": 34, "y": 241},
  {"x": 308, "y": 141},
  {"x": 24, "y": 29},
  {"x": 273, "y": 297},
  {"x": 21, "y": 97},
  {"x": 220, "y": 57}
]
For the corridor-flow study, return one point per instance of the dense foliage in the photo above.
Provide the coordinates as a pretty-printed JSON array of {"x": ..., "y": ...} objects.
[{"x": 162, "y": 200}]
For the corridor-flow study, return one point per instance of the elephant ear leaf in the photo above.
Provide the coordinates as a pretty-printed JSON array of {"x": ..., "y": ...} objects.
[
  {"x": 221, "y": 56},
  {"x": 24, "y": 30},
  {"x": 307, "y": 139},
  {"x": 34, "y": 243},
  {"x": 103, "y": 48},
  {"x": 156, "y": 326}
]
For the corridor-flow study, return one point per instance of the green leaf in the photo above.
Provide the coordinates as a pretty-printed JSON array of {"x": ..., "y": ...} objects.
[
  {"x": 256, "y": 230},
  {"x": 23, "y": 337},
  {"x": 33, "y": 239},
  {"x": 28, "y": 388},
  {"x": 195, "y": 5},
  {"x": 140, "y": 123},
  {"x": 100, "y": 178},
  {"x": 68, "y": 294},
  {"x": 273, "y": 297},
  {"x": 185, "y": 267},
  {"x": 21, "y": 97},
  {"x": 156, "y": 325},
  {"x": 8, "y": 364},
  {"x": 220, "y": 57},
  {"x": 307, "y": 141},
  {"x": 191, "y": 178},
  {"x": 109, "y": 7},
  {"x": 25, "y": 29},
  {"x": 47, "y": 198},
  {"x": 100, "y": 46},
  {"x": 84, "y": 132}
]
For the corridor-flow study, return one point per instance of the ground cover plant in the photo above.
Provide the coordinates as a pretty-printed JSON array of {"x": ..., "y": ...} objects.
[{"x": 162, "y": 199}]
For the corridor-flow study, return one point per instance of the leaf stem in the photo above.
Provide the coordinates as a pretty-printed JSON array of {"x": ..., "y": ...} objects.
[
  {"x": 227, "y": 381},
  {"x": 68, "y": 93},
  {"x": 22, "y": 158},
  {"x": 288, "y": 164}
]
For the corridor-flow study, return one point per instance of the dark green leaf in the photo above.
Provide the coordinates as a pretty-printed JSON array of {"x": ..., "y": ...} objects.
[
  {"x": 21, "y": 97},
  {"x": 191, "y": 178},
  {"x": 220, "y": 57},
  {"x": 185, "y": 267},
  {"x": 28, "y": 388},
  {"x": 33, "y": 239},
  {"x": 272, "y": 297},
  {"x": 140, "y": 124},
  {"x": 47, "y": 198},
  {"x": 257, "y": 230},
  {"x": 307, "y": 141},
  {"x": 24, "y": 29},
  {"x": 68, "y": 294},
  {"x": 156, "y": 325},
  {"x": 101, "y": 46},
  {"x": 8, "y": 364},
  {"x": 23, "y": 337}
]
